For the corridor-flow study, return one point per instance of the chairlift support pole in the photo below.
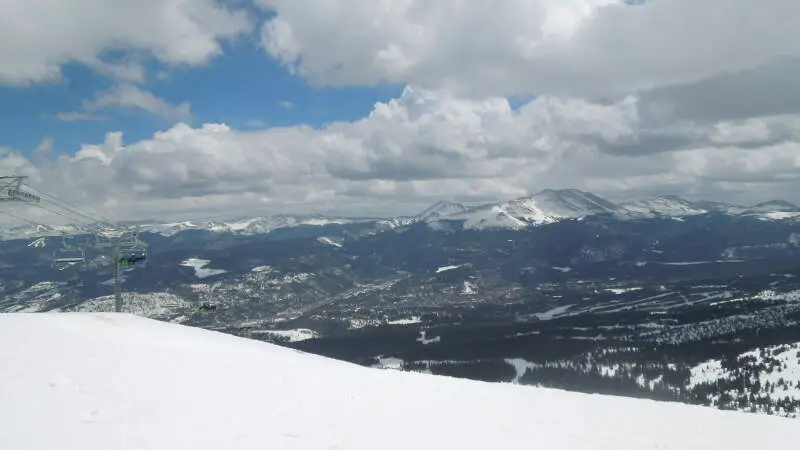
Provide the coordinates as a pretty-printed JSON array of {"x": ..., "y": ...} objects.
[
  {"x": 117, "y": 280},
  {"x": 116, "y": 244}
]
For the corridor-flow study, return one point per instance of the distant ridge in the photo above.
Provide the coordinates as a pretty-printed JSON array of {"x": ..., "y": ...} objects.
[{"x": 546, "y": 206}]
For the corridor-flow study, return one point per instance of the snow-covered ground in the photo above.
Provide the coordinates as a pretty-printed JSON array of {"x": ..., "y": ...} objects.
[
  {"x": 38, "y": 243},
  {"x": 389, "y": 363},
  {"x": 295, "y": 335},
  {"x": 552, "y": 313},
  {"x": 668, "y": 206},
  {"x": 357, "y": 324},
  {"x": 329, "y": 241},
  {"x": 200, "y": 269},
  {"x": 623, "y": 290},
  {"x": 783, "y": 372},
  {"x": 95, "y": 381},
  {"x": 790, "y": 296},
  {"x": 373, "y": 322},
  {"x": 694, "y": 263},
  {"x": 469, "y": 288},
  {"x": 446, "y": 268},
  {"x": 424, "y": 339},
  {"x": 35, "y": 298},
  {"x": 406, "y": 321},
  {"x": 781, "y": 215},
  {"x": 150, "y": 304}
]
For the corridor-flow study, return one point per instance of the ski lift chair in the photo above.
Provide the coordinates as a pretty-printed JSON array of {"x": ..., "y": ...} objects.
[
  {"x": 134, "y": 253},
  {"x": 68, "y": 255},
  {"x": 206, "y": 307}
]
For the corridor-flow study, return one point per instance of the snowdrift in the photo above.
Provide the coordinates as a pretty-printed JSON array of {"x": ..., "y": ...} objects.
[{"x": 116, "y": 381}]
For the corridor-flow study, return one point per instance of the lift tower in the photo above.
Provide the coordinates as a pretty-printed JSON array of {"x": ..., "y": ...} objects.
[
  {"x": 127, "y": 250},
  {"x": 11, "y": 190},
  {"x": 125, "y": 246}
]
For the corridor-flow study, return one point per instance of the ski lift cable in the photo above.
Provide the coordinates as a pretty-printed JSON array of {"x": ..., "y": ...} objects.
[
  {"x": 72, "y": 208},
  {"x": 23, "y": 219},
  {"x": 76, "y": 207},
  {"x": 74, "y": 218},
  {"x": 63, "y": 212},
  {"x": 59, "y": 213},
  {"x": 53, "y": 197},
  {"x": 77, "y": 213}
]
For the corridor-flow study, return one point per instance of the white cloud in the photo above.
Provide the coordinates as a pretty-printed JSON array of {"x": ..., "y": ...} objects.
[
  {"x": 38, "y": 36},
  {"x": 254, "y": 123},
  {"x": 556, "y": 47},
  {"x": 77, "y": 116},
  {"x": 421, "y": 147},
  {"x": 129, "y": 96},
  {"x": 130, "y": 72},
  {"x": 678, "y": 96}
]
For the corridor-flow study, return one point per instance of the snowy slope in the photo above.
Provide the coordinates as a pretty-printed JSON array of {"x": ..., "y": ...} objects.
[
  {"x": 442, "y": 209},
  {"x": 571, "y": 203},
  {"x": 774, "y": 206},
  {"x": 38, "y": 243},
  {"x": 673, "y": 206},
  {"x": 200, "y": 269},
  {"x": 329, "y": 241},
  {"x": 547, "y": 206},
  {"x": 666, "y": 206},
  {"x": 487, "y": 218},
  {"x": 777, "y": 369},
  {"x": 103, "y": 381},
  {"x": 249, "y": 226}
]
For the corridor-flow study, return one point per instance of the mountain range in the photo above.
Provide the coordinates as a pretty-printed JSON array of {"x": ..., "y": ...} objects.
[{"x": 547, "y": 206}]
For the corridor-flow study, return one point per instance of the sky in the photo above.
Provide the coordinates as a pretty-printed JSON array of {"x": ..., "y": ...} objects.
[{"x": 180, "y": 109}]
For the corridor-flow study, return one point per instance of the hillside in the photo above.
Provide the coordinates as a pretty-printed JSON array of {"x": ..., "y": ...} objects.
[{"x": 99, "y": 381}]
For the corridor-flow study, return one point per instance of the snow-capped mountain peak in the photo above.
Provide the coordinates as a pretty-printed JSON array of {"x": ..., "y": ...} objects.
[
  {"x": 544, "y": 207},
  {"x": 491, "y": 217},
  {"x": 572, "y": 202},
  {"x": 442, "y": 209}
]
